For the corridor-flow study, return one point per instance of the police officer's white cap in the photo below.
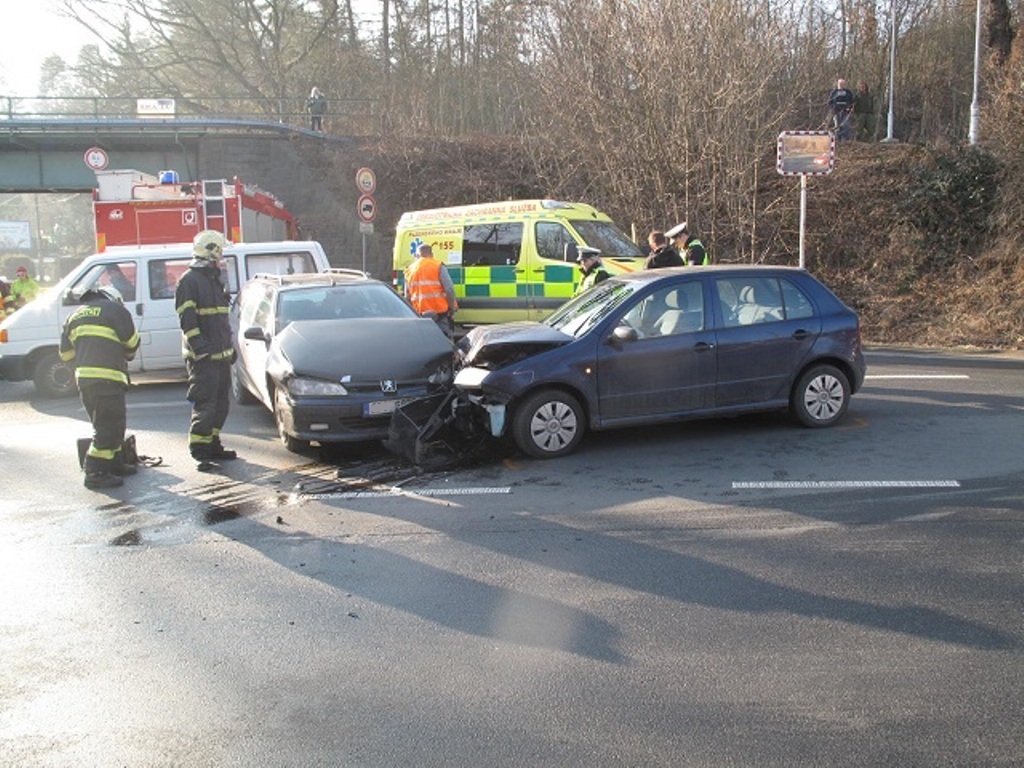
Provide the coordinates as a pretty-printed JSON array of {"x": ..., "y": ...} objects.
[
  {"x": 586, "y": 252},
  {"x": 677, "y": 230}
]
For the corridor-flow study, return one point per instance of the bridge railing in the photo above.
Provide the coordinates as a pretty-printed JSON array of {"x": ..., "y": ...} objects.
[{"x": 343, "y": 116}]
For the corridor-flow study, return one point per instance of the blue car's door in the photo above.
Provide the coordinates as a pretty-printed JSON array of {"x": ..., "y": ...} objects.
[
  {"x": 669, "y": 368},
  {"x": 766, "y": 328}
]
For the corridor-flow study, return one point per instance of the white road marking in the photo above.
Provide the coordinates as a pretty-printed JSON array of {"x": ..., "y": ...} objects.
[
  {"x": 917, "y": 376},
  {"x": 849, "y": 484},
  {"x": 432, "y": 492}
]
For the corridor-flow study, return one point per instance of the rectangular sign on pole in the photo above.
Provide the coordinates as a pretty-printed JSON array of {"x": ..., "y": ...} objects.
[
  {"x": 15, "y": 234},
  {"x": 805, "y": 153}
]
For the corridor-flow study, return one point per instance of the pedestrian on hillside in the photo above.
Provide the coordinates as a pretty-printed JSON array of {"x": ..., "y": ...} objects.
[
  {"x": 689, "y": 247},
  {"x": 23, "y": 290},
  {"x": 316, "y": 105},
  {"x": 98, "y": 339},
  {"x": 864, "y": 113},
  {"x": 592, "y": 268},
  {"x": 840, "y": 106},
  {"x": 662, "y": 252},
  {"x": 201, "y": 300},
  {"x": 429, "y": 288}
]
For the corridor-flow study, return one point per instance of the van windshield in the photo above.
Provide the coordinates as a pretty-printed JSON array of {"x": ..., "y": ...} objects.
[{"x": 607, "y": 238}]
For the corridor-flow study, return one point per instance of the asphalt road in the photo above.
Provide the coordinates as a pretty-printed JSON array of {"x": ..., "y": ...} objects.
[{"x": 740, "y": 592}]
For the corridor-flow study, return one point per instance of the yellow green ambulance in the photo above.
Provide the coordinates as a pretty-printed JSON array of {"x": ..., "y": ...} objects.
[{"x": 512, "y": 260}]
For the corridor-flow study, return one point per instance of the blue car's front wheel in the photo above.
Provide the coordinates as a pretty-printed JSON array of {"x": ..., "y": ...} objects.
[{"x": 548, "y": 424}]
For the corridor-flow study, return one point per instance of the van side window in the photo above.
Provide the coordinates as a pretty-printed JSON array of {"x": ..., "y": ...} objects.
[
  {"x": 552, "y": 237},
  {"x": 492, "y": 244},
  {"x": 287, "y": 263},
  {"x": 123, "y": 276},
  {"x": 164, "y": 275}
]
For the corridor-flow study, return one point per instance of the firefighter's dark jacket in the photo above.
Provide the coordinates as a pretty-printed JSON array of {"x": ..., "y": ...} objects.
[
  {"x": 99, "y": 338},
  {"x": 202, "y": 304}
]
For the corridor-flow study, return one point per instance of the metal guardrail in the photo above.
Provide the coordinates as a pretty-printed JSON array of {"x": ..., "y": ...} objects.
[{"x": 343, "y": 116}]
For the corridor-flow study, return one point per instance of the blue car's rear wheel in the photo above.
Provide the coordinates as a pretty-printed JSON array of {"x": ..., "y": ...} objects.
[{"x": 821, "y": 396}]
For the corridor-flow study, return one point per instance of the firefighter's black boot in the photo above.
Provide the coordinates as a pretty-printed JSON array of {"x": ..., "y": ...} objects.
[
  {"x": 95, "y": 480},
  {"x": 204, "y": 459},
  {"x": 123, "y": 470},
  {"x": 219, "y": 453}
]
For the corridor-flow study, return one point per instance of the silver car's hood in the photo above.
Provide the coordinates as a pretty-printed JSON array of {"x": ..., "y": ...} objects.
[
  {"x": 364, "y": 348},
  {"x": 495, "y": 346}
]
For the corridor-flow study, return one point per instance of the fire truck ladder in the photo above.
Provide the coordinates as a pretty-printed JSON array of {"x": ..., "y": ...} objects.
[{"x": 214, "y": 207}]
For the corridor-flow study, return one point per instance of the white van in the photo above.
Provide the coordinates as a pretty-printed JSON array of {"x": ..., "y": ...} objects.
[{"x": 146, "y": 278}]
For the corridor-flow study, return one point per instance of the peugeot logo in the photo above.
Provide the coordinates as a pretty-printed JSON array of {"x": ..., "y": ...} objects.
[{"x": 389, "y": 386}]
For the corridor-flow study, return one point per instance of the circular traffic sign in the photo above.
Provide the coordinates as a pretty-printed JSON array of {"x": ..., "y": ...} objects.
[
  {"x": 96, "y": 158},
  {"x": 366, "y": 180},
  {"x": 367, "y": 208}
]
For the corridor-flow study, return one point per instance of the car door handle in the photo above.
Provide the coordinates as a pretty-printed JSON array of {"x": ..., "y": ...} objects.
[
  {"x": 139, "y": 309},
  {"x": 800, "y": 333},
  {"x": 703, "y": 346}
]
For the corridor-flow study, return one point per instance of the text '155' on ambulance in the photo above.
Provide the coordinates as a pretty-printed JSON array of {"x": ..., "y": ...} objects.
[{"x": 512, "y": 260}]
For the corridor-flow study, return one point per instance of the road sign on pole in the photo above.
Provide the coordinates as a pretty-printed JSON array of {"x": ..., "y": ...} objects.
[
  {"x": 367, "y": 208},
  {"x": 366, "y": 181},
  {"x": 803, "y": 154}
]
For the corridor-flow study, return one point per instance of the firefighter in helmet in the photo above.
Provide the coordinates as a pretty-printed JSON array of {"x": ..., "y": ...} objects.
[
  {"x": 98, "y": 339},
  {"x": 201, "y": 299}
]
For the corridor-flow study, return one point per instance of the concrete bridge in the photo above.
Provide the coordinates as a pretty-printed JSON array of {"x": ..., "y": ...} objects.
[{"x": 44, "y": 154}]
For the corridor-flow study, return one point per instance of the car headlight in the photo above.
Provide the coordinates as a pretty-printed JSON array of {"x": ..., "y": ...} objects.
[{"x": 304, "y": 386}]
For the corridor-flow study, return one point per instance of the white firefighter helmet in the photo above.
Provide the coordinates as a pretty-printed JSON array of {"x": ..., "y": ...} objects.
[
  {"x": 82, "y": 293},
  {"x": 209, "y": 244},
  {"x": 110, "y": 292}
]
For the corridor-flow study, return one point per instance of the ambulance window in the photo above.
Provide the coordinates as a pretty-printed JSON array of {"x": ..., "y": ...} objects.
[
  {"x": 608, "y": 238},
  {"x": 552, "y": 238},
  {"x": 491, "y": 245}
]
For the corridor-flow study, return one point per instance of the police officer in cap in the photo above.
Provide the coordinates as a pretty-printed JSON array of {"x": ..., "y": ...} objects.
[
  {"x": 201, "y": 299},
  {"x": 591, "y": 266},
  {"x": 98, "y": 339},
  {"x": 690, "y": 248}
]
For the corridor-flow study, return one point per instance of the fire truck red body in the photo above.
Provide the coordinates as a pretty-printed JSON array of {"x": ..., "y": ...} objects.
[{"x": 134, "y": 209}]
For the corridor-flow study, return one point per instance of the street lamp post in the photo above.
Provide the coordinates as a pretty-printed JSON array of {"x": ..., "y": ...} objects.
[
  {"x": 892, "y": 70},
  {"x": 972, "y": 136}
]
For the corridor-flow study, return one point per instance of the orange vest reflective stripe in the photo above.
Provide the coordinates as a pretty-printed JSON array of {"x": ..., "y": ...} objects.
[{"x": 423, "y": 280}]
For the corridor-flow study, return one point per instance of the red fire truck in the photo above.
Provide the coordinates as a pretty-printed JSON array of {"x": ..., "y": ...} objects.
[{"x": 135, "y": 209}]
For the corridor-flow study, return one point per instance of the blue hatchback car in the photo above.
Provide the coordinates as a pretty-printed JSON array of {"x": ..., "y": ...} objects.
[{"x": 663, "y": 345}]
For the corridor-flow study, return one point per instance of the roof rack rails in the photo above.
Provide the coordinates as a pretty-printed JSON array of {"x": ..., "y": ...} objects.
[{"x": 333, "y": 274}]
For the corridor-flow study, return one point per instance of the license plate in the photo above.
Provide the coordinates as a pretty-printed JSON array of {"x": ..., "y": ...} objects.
[{"x": 383, "y": 407}]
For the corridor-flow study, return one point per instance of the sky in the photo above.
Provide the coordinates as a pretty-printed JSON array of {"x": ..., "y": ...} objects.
[{"x": 33, "y": 30}]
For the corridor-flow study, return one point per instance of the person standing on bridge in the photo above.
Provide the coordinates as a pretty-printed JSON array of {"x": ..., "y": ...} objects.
[
  {"x": 316, "y": 105},
  {"x": 202, "y": 302}
]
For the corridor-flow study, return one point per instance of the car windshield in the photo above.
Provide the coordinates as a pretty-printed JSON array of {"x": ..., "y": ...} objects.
[
  {"x": 607, "y": 238},
  {"x": 336, "y": 302},
  {"x": 585, "y": 311}
]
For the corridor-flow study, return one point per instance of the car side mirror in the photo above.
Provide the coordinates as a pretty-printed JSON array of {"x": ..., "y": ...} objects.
[
  {"x": 255, "y": 333},
  {"x": 625, "y": 332}
]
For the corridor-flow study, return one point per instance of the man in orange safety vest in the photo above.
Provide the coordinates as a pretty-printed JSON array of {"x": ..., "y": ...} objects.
[{"x": 429, "y": 288}]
